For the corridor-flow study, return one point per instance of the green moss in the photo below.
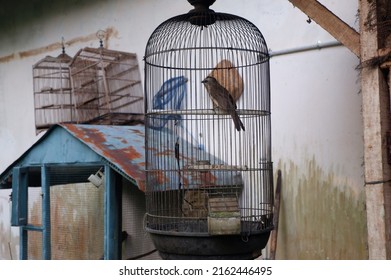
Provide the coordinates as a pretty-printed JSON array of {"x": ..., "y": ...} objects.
[{"x": 320, "y": 216}]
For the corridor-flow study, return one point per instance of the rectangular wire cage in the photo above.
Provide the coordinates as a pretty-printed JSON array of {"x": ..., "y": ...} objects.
[
  {"x": 106, "y": 87},
  {"x": 52, "y": 91}
]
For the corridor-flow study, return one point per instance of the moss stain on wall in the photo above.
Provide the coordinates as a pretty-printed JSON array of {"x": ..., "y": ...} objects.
[{"x": 321, "y": 216}]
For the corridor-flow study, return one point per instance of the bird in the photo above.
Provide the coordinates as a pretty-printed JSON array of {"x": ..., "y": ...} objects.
[{"x": 222, "y": 99}]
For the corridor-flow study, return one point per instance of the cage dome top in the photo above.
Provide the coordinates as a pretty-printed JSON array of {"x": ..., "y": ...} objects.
[
  {"x": 202, "y": 32},
  {"x": 201, "y": 14}
]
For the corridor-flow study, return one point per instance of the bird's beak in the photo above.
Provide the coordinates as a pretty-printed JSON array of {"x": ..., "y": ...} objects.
[{"x": 203, "y": 81}]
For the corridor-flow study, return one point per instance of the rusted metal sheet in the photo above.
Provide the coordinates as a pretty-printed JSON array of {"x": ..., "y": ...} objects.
[{"x": 122, "y": 146}]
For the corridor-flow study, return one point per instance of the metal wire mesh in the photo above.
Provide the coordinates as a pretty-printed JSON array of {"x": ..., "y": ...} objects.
[
  {"x": 77, "y": 227},
  {"x": 76, "y": 214},
  {"x": 76, "y": 207},
  {"x": 200, "y": 170}
]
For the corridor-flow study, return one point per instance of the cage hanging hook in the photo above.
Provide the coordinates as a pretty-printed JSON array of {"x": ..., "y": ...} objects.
[
  {"x": 101, "y": 34},
  {"x": 63, "y": 44}
]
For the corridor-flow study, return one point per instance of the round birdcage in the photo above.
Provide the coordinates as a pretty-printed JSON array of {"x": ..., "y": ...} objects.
[{"x": 209, "y": 190}]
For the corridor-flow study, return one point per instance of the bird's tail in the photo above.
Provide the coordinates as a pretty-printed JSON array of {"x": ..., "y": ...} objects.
[{"x": 238, "y": 123}]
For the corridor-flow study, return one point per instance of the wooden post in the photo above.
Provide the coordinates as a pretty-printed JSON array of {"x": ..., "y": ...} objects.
[
  {"x": 376, "y": 121},
  {"x": 274, "y": 233}
]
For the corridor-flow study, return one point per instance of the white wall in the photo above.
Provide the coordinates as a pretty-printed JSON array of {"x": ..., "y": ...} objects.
[{"x": 316, "y": 105}]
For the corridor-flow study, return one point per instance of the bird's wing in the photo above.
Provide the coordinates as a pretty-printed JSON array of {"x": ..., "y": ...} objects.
[{"x": 226, "y": 102}]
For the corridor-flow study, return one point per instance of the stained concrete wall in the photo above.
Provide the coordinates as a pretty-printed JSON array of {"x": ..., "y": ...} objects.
[
  {"x": 9, "y": 236},
  {"x": 316, "y": 103}
]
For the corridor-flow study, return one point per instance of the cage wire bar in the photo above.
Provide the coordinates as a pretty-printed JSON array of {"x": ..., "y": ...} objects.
[{"x": 205, "y": 178}]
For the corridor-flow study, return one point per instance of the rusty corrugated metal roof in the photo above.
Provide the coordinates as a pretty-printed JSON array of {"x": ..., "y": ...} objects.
[{"x": 122, "y": 146}]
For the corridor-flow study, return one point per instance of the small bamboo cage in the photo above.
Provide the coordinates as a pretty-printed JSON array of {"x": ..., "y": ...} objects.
[
  {"x": 52, "y": 91},
  {"x": 106, "y": 87},
  {"x": 209, "y": 187}
]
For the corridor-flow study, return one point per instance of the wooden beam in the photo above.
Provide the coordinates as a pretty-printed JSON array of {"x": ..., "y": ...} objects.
[
  {"x": 276, "y": 217},
  {"x": 376, "y": 121},
  {"x": 341, "y": 31}
]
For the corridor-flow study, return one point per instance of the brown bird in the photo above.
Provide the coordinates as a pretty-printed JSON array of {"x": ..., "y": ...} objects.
[{"x": 222, "y": 99}]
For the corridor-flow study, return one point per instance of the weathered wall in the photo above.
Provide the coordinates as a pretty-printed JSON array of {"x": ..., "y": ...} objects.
[
  {"x": 327, "y": 216},
  {"x": 138, "y": 244},
  {"x": 9, "y": 237},
  {"x": 316, "y": 117},
  {"x": 317, "y": 144}
]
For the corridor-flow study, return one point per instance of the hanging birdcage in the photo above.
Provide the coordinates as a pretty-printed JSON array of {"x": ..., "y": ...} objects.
[
  {"x": 106, "y": 87},
  {"x": 52, "y": 91},
  {"x": 208, "y": 136}
]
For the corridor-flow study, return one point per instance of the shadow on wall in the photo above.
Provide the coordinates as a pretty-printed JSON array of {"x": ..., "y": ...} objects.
[{"x": 320, "y": 217}]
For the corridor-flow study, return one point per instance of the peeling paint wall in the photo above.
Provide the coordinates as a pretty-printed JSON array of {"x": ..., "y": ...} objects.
[
  {"x": 316, "y": 104},
  {"x": 138, "y": 244},
  {"x": 9, "y": 237}
]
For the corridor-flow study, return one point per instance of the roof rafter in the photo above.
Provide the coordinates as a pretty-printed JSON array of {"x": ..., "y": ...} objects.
[{"x": 339, "y": 29}]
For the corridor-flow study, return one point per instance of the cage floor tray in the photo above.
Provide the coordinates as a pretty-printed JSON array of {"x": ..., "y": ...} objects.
[{"x": 188, "y": 247}]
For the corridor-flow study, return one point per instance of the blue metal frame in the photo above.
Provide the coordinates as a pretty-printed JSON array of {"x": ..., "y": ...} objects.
[
  {"x": 19, "y": 206},
  {"x": 19, "y": 196},
  {"x": 112, "y": 211},
  {"x": 20, "y": 211},
  {"x": 46, "y": 244},
  {"x": 112, "y": 249}
]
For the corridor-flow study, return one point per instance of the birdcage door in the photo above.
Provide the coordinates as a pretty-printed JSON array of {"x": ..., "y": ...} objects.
[{"x": 29, "y": 202}]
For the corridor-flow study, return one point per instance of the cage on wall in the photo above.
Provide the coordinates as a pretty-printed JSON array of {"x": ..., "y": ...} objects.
[
  {"x": 52, "y": 91},
  {"x": 208, "y": 136},
  {"x": 106, "y": 87}
]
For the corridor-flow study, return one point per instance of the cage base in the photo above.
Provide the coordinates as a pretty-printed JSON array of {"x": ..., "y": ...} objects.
[{"x": 205, "y": 247}]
